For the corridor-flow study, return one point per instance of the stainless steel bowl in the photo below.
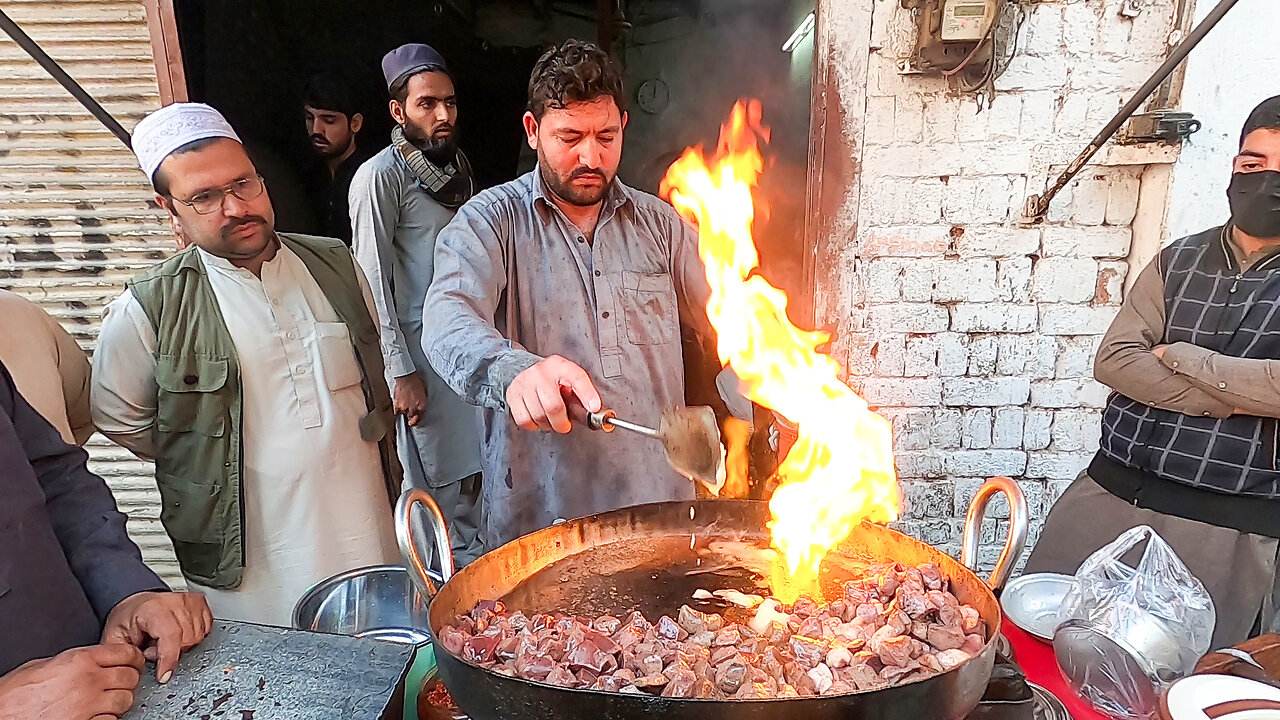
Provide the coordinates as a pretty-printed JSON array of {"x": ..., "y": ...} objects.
[
  {"x": 375, "y": 602},
  {"x": 1032, "y": 602}
]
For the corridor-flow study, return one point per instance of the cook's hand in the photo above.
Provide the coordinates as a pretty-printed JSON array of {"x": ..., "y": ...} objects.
[
  {"x": 410, "y": 398},
  {"x": 534, "y": 396},
  {"x": 162, "y": 624},
  {"x": 87, "y": 683},
  {"x": 1158, "y": 351}
]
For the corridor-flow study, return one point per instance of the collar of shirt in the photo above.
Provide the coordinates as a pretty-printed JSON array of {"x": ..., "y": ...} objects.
[
  {"x": 615, "y": 197},
  {"x": 1236, "y": 256},
  {"x": 225, "y": 266}
]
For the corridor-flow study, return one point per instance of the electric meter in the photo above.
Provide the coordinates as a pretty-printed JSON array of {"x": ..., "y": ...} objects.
[{"x": 967, "y": 20}]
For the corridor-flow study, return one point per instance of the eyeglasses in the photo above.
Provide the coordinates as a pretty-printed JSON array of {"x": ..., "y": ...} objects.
[{"x": 211, "y": 200}]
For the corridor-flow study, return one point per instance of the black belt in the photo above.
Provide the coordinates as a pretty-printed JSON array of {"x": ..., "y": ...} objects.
[{"x": 1140, "y": 488}]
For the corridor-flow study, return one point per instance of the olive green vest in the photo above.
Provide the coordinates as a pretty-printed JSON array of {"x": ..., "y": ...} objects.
[{"x": 197, "y": 427}]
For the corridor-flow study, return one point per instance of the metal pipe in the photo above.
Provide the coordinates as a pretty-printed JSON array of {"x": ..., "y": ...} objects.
[
  {"x": 633, "y": 427},
  {"x": 51, "y": 66},
  {"x": 1038, "y": 205}
]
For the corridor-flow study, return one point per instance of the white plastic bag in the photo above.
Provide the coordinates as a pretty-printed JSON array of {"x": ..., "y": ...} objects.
[{"x": 1159, "y": 598}]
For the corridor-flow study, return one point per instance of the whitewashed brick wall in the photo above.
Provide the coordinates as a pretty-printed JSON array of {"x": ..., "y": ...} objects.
[{"x": 974, "y": 336}]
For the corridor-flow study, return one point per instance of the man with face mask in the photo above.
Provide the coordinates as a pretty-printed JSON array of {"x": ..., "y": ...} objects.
[
  {"x": 566, "y": 280},
  {"x": 247, "y": 366},
  {"x": 400, "y": 200},
  {"x": 1190, "y": 436}
]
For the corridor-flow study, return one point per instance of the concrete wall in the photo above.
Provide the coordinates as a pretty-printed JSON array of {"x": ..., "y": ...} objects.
[
  {"x": 1234, "y": 68},
  {"x": 973, "y": 335}
]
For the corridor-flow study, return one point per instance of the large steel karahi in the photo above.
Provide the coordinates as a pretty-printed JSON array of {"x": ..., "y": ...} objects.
[{"x": 630, "y": 559}]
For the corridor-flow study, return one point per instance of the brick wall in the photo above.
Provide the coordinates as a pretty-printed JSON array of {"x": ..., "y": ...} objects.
[{"x": 975, "y": 336}]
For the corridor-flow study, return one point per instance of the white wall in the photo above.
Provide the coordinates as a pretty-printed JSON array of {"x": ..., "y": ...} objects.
[
  {"x": 1233, "y": 69},
  {"x": 973, "y": 335}
]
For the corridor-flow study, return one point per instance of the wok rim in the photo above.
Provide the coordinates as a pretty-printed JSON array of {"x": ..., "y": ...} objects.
[{"x": 995, "y": 624}]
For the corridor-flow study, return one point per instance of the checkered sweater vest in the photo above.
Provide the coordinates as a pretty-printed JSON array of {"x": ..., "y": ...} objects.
[{"x": 1210, "y": 303}]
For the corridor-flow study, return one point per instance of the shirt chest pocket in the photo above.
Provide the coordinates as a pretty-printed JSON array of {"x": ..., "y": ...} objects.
[
  {"x": 649, "y": 308},
  {"x": 189, "y": 399},
  {"x": 337, "y": 355}
]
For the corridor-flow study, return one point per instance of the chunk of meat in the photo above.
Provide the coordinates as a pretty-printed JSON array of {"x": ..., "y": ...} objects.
[
  {"x": 453, "y": 639},
  {"x": 731, "y": 674},
  {"x": 587, "y": 655},
  {"x": 895, "y": 651},
  {"x": 913, "y": 602},
  {"x": 787, "y": 691},
  {"x": 667, "y": 629},
  {"x": 863, "y": 677},
  {"x": 932, "y": 576},
  {"x": 628, "y": 636},
  {"x": 731, "y": 635},
  {"x": 970, "y": 618},
  {"x": 560, "y": 675},
  {"x": 651, "y": 664},
  {"x": 838, "y": 657},
  {"x": 943, "y": 637},
  {"x": 534, "y": 666},
  {"x": 755, "y": 691},
  {"x": 894, "y": 673},
  {"x": 681, "y": 685},
  {"x": 611, "y": 683},
  {"x": 973, "y": 644},
  {"x": 822, "y": 678},
  {"x": 808, "y": 651},
  {"x": 655, "y": 680},
  {"x": 602, "y": 641},
  {"x": 691, "y": 620},
  {"x": 702, "y": 639},
  {"x": 637, "y": 620},
  {"x": 804, "y": 607},
  {"x": 606, "y": 624},
  {"x": 481, "y": 649},
  {"x": 587, "y": 677},
  {"x": 810, "y": 627}
]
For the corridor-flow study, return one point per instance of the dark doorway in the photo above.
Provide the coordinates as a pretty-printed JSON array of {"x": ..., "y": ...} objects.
[{"x": 685, "y": 63}]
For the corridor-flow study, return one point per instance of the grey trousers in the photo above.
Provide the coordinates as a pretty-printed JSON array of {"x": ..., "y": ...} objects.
[
  {"x": 459, "y": 501},
  {"x": 1238, "y": 569}
]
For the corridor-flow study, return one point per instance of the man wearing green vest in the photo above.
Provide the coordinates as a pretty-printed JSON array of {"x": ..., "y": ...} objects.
[{"x": 248, "y": 367}]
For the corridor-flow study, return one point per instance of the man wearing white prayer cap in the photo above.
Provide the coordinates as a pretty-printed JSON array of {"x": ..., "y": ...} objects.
[{"x": 248, "y": 367}]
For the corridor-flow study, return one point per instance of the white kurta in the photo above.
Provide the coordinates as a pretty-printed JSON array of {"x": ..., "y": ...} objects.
[{"x": 315, "y": 503}]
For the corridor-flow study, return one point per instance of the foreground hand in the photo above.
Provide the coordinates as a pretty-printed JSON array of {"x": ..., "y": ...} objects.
[
  {"x": 410, "y": 398},
  {"x": 535, "y": 400},
  {"x": 88, "y": 683},
  {"x": 1158, "y": 351},
  {"x": 163, "y": 624}
]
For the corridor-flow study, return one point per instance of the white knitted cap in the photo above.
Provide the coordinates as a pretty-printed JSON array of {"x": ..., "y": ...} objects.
[{"x": 172, "y": 126}]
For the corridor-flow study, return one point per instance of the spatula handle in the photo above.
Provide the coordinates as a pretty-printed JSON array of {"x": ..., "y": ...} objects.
[{"x": 581, "y": 416}]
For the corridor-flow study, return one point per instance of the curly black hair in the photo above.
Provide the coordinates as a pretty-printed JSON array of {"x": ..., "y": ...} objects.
[{"x": 577, "y": 71}]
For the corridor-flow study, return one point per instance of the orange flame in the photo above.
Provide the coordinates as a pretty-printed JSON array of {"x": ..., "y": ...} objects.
[{"x": 840, "y": 470}]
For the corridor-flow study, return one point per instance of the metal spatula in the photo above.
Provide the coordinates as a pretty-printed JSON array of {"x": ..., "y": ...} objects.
[{"x": 689, "y": 436}]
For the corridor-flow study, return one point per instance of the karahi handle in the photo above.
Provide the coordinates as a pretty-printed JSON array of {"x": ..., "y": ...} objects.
[
  {"x": 409, "y": 547},
  {"x": 1013, "y": 544}
]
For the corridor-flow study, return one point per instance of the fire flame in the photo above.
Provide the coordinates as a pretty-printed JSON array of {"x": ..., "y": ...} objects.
[{"x": 840, "y": 470}]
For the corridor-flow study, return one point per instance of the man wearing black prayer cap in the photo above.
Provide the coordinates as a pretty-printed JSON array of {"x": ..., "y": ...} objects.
[{"x": 1190, "y": 439}]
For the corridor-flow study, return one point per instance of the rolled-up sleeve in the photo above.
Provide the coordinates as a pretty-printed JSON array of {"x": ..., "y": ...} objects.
[
  {"x": 1126, "y": 364},
  {"x": 459, "y": 336},
  {"x": 374, "y": 201}
]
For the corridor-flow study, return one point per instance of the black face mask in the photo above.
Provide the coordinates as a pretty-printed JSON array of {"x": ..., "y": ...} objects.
[{"x": 1255, "y": 203}]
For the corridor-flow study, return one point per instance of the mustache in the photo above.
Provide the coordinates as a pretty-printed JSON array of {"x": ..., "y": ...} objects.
[
  {"x": 586, "y": 171},
  {"x": 320, "y": 138},
  {"x": 246, "y": 220}
]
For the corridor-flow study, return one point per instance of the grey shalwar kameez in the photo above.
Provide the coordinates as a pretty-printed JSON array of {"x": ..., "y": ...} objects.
[{"x": 515, "y": 282}]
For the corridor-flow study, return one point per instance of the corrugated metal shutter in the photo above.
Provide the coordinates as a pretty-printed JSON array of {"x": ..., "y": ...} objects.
[{"x": 76, "y": 218}]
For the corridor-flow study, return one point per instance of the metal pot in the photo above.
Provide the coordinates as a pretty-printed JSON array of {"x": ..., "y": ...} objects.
[
  {"x": 386, "y": 602},
  {"x": 379, "y": 602},
  {"x": 632, "y": 540}
]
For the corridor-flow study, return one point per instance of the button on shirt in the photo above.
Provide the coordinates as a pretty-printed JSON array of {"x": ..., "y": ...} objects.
[
  {"x": 314, "y": 499},
  {"x": 516, "y": 281}
]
